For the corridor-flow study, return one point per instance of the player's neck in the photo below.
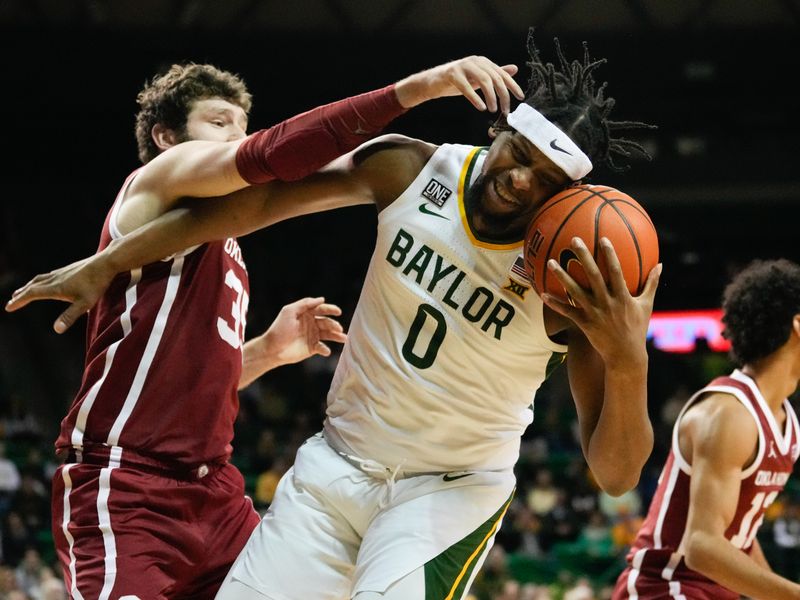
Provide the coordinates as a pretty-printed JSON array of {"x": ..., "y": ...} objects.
[{"x": 776, "y": 377}]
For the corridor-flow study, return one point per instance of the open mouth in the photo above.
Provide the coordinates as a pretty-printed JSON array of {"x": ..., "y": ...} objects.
[{"x": 503, "y": 193}]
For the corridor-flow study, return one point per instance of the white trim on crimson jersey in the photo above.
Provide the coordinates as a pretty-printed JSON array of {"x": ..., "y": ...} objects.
[
  {"x": 674, "y": 560},
  {"x": 745, "y": 401},
  {"x": 675, "y": 590},
  {"x": 125, "y": 320},
  {"x": 662, "y": 513},
  {"x": 784, "y": 438},
  {"x": 113, "y": 228},
  {"x": 791, "y": 412},
  {"x": 73, "y": 589},
  {"x": 104, "y": 523},
  {"x": 150, "y": 349},
  {"x": 636, "y": 565}
]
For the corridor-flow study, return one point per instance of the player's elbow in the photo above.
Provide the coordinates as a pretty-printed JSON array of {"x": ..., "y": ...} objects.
[
  {"x": 695, "y": 553},
  {"x": 617, "y": 476},
  {"x": 617, "y": 484}
]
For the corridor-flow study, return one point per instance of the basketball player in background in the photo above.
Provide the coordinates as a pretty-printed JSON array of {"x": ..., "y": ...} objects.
[
  {"x": 734, "y": 446},
  {"x": 401, "y": 495},
  {"x": 147, "y": 505}
]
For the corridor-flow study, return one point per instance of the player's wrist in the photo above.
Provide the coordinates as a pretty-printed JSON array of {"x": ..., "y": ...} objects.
[
  {"x": 413, "y": 90},
  {"x": 270, "y": 351},
  {"x": 259, "y": 352},
  {"x": 110, "y": 261},
  {"x": 628, "y": 360}
]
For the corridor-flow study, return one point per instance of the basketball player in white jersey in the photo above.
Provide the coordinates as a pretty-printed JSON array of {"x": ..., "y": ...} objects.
[
  {"x": 734, "y": 446},
  {"x": 401, "y": 495}
]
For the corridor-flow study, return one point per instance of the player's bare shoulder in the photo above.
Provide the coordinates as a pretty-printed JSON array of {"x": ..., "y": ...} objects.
[
  {"x": 390, "y": 164},
  {"x": 721, "y": 424}
]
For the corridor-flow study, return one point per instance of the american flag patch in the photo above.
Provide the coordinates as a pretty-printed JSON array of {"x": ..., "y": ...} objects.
[{"x": 518, "y": 272}]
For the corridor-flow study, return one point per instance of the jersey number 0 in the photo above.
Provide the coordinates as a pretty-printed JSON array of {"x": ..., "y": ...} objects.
[{"x": 419, "y": 359}]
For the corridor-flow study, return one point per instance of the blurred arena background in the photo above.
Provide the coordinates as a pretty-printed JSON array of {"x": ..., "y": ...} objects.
[{"x": 723, "y": 188}]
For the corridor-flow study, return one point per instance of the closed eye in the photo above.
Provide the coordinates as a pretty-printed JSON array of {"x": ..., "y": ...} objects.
[{"x": 519, "y": 156}]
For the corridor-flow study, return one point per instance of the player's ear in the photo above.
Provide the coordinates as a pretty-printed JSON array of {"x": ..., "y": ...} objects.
[
  {"x": 796, "y": 325},
  {"x": 499, "y": 125},
  {"x": 164, "y": 137}
]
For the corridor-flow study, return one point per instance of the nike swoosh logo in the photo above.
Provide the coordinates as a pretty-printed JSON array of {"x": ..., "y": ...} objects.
[
  {"x": 359, "y": 130},
  {"x": 448, "y": 477},
  {"x": 555, "y": 146},
  {"x": 423, "y": 208}
]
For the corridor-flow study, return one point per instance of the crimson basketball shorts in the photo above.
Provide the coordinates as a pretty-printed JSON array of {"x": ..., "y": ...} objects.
[
  {"x": 634, "y": 585},
  {"x": 124, "y": 533}
]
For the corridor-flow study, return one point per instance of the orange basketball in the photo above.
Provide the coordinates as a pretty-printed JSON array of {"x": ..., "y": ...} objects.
[{"x": 590, "y": 212}]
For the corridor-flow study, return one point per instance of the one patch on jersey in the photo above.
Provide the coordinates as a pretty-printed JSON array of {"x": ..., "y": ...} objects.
[
  {"x": 436, "y": 192},
  {"x": 518, "y": 272},
  {"x": 518, "y": 281},
  {"x": 516, "y": 288}
]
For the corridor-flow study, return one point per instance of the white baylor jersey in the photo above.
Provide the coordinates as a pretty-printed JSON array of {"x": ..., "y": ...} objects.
[{"x": 447, "y": 346}]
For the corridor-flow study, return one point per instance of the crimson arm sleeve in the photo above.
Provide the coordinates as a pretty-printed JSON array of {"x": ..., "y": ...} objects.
[{"x": 304, "y": 144}]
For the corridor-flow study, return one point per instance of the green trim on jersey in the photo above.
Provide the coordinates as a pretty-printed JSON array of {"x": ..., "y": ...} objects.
[
  {"x": 447, "y": 575},
  {"x": 466, "y": 178},
  {"x": 556, "y": 360}
]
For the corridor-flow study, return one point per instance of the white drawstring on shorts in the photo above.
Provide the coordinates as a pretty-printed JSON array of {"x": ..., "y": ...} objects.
[{"x": 379, "y": 471}]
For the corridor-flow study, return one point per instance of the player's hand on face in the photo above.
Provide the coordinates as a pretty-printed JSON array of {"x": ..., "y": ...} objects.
[
  {"x": 465, "y": 76},
  {"x": 301, "y": 329},
  {"x": 614, "y": 321},
  {"x": 81, "y": 284}
]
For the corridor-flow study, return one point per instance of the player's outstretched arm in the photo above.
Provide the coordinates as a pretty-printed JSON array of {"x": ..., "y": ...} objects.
[
  {"x": 301, "y": 145},
  {"x": 723, "y": 438},
  {"x": 195, "y": 222},
  {"x": 299, "y": 331},
  {"x": 607, "y": 365}
]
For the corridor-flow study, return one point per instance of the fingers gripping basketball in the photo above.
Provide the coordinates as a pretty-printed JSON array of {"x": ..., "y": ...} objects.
[{"x": 590, "y": 212}]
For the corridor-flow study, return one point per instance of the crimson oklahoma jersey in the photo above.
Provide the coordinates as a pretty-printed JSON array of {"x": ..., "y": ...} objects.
[
  {"x": 163, "y": 359},
  {"x": 656, "y": 566}
]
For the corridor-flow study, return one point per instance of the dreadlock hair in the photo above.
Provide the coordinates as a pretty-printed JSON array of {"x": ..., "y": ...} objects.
[
  {"x": 759, "y": 306},
  {"x": 567, "y": 95},
  {"x": 168, "y": 99}
]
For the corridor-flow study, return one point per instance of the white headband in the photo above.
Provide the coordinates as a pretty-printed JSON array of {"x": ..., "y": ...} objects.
[{"x": 554, "y": 143}]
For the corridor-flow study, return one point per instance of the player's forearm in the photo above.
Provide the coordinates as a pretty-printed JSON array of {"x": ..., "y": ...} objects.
[
  {"x": 302, "y": 145},
  {"x": 414, "y": 90},
  {"x": 622, "y": 439},
  {"x": 715, "y": 557},
  {"x": 196, "y": 222},
  {"x": 184, "y": 227},
  {"x": 256, "y": 360}
]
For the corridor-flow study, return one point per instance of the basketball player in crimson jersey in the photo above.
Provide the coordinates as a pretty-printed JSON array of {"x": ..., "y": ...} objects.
[
  {"x": 402, "y": 494},
  {"x": 146, "y": 505},
  {"x": 734, "y": 446}
]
